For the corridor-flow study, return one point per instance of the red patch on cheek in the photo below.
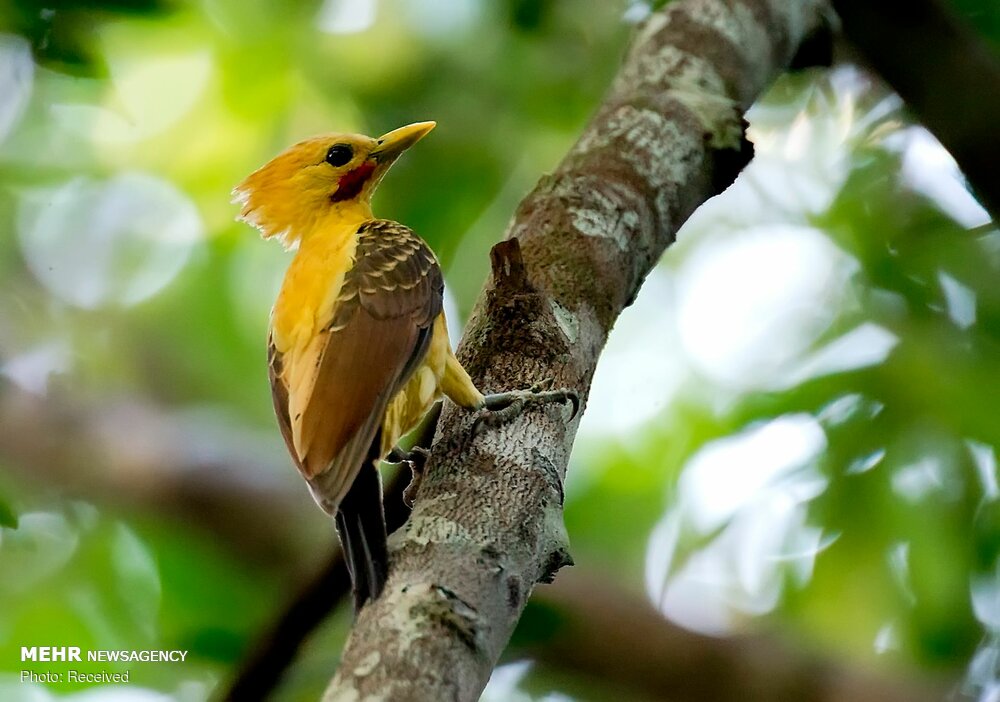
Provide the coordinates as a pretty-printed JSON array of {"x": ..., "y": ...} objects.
[{"x": 351, "y": 183}]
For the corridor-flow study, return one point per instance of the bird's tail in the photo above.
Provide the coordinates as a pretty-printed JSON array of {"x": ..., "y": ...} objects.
[{"x": 361, "y": 526}]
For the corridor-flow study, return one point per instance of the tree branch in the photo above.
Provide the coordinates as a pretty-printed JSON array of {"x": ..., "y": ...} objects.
[
  {"x": 488, "y": 522},
  {"x": 605, "y": 633},
  {"x": 946, "y": 74}
]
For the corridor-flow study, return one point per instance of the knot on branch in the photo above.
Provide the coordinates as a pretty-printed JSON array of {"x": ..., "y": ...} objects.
[
  {"x": 515, "y": 315},
  {"x": 556, "y": 546},
  {"x": 509, "y": 274},
  {"x": 557, "y": 559}
]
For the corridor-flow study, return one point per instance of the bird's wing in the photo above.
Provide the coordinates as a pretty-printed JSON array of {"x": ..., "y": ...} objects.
[{"x": 378, "y": 334}]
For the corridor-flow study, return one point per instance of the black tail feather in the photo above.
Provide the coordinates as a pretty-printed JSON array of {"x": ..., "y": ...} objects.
[{"x": 361, "y": 526}]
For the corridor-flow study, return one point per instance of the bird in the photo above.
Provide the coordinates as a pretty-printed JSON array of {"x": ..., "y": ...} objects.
[{"x": 358, "y": 347}]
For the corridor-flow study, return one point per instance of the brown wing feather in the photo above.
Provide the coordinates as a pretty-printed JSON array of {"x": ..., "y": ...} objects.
[
  {"x": 378, "y": 335},
  {"x": 279, "y": 396}
]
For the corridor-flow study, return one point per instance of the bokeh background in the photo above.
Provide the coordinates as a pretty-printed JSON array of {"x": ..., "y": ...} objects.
[{"x": 793, "y": 432}]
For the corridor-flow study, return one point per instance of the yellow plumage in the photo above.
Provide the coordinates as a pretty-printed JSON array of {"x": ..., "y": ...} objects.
[
  {"x": 358, "y": 344},
  {"x": 291, "y": 198},
  {"x": 305, "y": 303}
]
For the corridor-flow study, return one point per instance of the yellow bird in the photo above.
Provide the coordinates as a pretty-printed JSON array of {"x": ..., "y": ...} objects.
[{"x": 358, "y": 346}]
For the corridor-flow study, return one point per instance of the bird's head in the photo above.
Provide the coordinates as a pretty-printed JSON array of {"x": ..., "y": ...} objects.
[{"x": 329, "y": 175}]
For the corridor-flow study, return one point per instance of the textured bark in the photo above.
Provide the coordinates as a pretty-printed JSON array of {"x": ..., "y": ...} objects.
[{"x": 487, "y": 525}]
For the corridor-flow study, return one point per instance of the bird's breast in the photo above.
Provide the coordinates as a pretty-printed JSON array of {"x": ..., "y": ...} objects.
[{"x": 310, "y": 289}]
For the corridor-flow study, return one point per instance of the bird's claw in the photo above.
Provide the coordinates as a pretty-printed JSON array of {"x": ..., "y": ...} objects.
[
  {"x": 416, "y": 460},
  {"x": 502, "y": 407}
]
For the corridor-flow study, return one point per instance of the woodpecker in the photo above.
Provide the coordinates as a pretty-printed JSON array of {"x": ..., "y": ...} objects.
[{"x": 358, "y": 347}]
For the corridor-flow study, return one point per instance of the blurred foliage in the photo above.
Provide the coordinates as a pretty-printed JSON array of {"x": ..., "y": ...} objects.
[
  {"x": 983, "y": 17},
  {"x": 123, "y": 126}
]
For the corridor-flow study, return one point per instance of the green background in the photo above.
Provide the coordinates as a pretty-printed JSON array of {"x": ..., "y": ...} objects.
[{"x": 793, "y": 430}]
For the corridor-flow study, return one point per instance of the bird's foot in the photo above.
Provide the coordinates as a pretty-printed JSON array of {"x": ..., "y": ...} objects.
[
  {"x": 416, "y": 460},
  {"x": 503, "y": 407}
]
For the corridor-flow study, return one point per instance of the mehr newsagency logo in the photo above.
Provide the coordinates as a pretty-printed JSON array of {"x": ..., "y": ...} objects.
[{"x": 68, "y": 654}]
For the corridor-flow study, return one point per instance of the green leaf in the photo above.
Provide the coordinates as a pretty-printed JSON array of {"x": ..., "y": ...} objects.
[{"x": 8, "y": 517}]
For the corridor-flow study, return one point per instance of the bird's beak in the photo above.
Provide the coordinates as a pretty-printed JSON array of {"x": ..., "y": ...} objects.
[{"x": 391, "y": 145}]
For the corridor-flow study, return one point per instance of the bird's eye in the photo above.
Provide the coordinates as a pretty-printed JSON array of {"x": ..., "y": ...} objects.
[{"x": 339, "y": 154}]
